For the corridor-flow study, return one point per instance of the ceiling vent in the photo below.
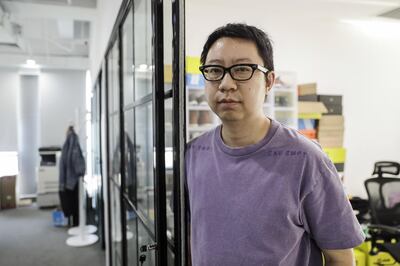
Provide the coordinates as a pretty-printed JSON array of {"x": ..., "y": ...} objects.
[
  {"x": 9, "y": 32},
  {"x": 394, "y": 14}
]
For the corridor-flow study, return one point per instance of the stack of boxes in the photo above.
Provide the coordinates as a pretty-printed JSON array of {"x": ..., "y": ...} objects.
[
  {"x": 331, "y": 130},
  {"x": 310, "y": 110},
  {"x": 321, "y": 119}
]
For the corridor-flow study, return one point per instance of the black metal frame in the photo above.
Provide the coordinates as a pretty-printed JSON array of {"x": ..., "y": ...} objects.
[
  {"x": 179, "y": 124},
  {"x": 158, "y": 98},
  {"x": 107, "y": 151},
  {"x": 159, "y": 140},
  {"x": 122, "y": 141},
  {"x": 99, "y": 110}
]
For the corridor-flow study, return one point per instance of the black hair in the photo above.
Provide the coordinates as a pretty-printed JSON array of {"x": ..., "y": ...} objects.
[{"x": 242, "y": 31}]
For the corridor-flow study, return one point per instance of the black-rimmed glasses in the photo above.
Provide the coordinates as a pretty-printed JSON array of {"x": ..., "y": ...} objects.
[{"x": 240, "y": 72}]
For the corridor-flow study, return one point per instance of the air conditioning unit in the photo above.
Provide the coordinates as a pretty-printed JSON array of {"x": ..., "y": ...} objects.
[
  {"x": 9, "y": 31},
  {"x": 395, "y": 14}
]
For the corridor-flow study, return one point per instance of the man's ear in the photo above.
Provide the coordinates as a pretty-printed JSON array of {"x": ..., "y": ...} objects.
[{"x": 269, "y": 80}]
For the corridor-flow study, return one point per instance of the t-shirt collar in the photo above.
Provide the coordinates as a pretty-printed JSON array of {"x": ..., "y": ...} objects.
[{"x": 241, "y": 151}]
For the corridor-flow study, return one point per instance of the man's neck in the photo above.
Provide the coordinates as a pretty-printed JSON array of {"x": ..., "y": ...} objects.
[{"x": 244, "y": 133}]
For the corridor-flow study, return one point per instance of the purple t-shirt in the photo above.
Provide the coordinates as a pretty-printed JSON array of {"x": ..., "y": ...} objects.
[{"x": 277, "y": 202}]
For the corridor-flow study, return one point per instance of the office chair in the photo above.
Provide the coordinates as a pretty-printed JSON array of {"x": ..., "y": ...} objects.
[
  {"x": 386, "y": 167},
  {"x": 384, "y": 201},
  {"x": 361, "y": 208}
]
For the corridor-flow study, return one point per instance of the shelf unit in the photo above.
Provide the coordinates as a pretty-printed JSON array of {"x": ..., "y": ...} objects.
[{"x": 280, "y": 104}]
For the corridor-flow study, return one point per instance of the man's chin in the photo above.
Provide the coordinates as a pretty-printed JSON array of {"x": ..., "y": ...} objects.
[{"x": 229, "y": 117}]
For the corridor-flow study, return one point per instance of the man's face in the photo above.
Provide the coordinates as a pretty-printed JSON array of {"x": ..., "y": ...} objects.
[{"x": 230, "y": 99}]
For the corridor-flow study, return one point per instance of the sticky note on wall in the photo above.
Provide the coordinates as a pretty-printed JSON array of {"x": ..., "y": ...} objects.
[{"x": 192, "y": 65}]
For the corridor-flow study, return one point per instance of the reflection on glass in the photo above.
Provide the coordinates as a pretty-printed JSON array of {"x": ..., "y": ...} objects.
[
  {"x": 115, "y": 77},
  {"x": 116, "y": 150},
  {"x": 170, "y": 257},
  {"x": 145, "y": 239},
  {"x": 169, "y": 169},
  {"x": 111, "y": 147},
  {"x": 168, "y": 117},
  {"x": 144, "y": 160},
  {"x": 127, "y": 39},
  {"x": 110, "y": 83},
  {"x": 116, "y": 228},
  {"x": 131, "y": 236},
  {"x": 94, "y": 183},
  {"x": 168, "y": 49},
  {"x": 143, "y": 64},
  {"x": 130, "y": 158}
]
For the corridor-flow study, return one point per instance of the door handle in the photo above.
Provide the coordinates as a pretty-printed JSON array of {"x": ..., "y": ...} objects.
[{"x": 149, "y": 247}]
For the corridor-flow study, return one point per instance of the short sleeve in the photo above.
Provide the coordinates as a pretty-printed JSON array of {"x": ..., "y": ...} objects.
[{"x": 326, "y": 211}]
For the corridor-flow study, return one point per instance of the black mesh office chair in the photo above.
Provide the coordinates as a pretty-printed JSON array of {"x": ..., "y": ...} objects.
[{"x": 384, "y": 201}]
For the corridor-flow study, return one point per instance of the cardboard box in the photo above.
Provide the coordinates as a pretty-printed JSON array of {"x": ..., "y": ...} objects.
[
  {"x": 330, "y": 99},
  {"x": 331, "y": 121},
  {"x": 331, "y": 142},
  {"x": 339, "y": 167},
  {"x": 309, "y": 133},
  {"x": 334, "y": 109},
  {"x": 307, "y": 124},
  {"x": 315, "y": 116},
  {"x": 307, "y": 89},
  {"x": 323, "y": 133},
  {"x": 7, "y": 192},
  {"x": 311, "y": 107},
  {"x": 308, "y": 98},
  {"x": 337, "y": 155}
]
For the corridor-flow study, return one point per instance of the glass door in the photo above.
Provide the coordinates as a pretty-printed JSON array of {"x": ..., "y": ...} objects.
[
  {"x": 95, "y": 211},
  {"x": 114, "y": 154},
  {"x": 145, "y": 134},
  {"x": 139, "y": 149}
]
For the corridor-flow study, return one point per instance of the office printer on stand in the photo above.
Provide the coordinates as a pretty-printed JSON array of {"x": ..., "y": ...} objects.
[{"x": 47, "y": 183}]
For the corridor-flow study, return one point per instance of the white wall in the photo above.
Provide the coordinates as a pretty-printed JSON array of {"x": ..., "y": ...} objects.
[
  {"x": 9, "y": 83},
  {"x": 62, "y": 93},
  {"x": 107, "y": 12},
  {"x": 339, "y": 57},
  {"x": 62, "y": 100}
]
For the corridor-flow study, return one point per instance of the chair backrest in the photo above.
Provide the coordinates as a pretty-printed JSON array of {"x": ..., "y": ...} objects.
[
  {"x": 384, "y": 200},
  {"x": 386, "y": 167}
]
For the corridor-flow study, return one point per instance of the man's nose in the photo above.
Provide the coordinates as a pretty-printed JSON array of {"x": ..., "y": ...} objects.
[{"x": 227, "y": 83}]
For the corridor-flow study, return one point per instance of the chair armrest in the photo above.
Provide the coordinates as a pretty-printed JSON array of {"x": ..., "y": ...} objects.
[{"x": 388, "y": 229}]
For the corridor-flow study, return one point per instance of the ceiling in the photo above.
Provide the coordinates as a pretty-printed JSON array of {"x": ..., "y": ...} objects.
[
  {"x": 53, "y": 30},
  {"x": 48, "y": 30}
]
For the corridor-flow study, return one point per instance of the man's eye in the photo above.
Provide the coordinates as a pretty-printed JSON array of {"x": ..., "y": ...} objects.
[
  {"x": 242, "y": 69},
  {"x": 214, "y": 70}
]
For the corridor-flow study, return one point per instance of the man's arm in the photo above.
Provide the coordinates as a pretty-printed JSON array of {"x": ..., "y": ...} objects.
[{"x": 339, "y": 257}]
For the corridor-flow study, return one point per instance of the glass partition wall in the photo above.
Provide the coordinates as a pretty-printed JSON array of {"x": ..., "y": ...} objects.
[{"x": 142, "y": 119}]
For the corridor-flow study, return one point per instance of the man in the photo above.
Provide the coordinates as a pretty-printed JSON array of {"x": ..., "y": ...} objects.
[{"x": 260, "y": 193}]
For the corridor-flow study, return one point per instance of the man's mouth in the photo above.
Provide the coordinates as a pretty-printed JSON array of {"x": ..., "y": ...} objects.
[{"x": 228, "y": 101}]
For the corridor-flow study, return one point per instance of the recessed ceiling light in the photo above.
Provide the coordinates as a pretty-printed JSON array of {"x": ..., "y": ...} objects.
[{"x": 31, "y": 63}]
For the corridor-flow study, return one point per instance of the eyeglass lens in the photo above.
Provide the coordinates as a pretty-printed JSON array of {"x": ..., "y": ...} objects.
[{"x": 239, "y": 72}]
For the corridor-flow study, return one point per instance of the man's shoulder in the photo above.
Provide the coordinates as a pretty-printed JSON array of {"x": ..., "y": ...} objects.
[
  {"x": 293, "y": 139},
  {"x": 204, "y": 139}
]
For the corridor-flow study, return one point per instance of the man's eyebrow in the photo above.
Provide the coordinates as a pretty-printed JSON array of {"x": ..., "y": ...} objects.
[
  {"x": 238, "y": 60},
  {"x": 215, "y": 61},
  {"x": 245, "y": 59}
]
